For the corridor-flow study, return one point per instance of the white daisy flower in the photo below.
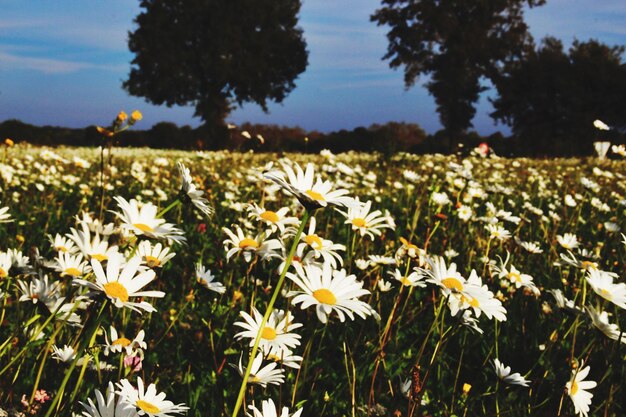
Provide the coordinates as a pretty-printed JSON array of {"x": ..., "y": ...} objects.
[
  {"x": 504, "y": 373},
  {"x": 602, "y": 284},
  {"x": 189, "y": 191},
  {"x": 268, "y": 409},
  {"x": 262, "y": 376},
  {"x": 154, "y": 256},
  {"x": 275, "y": 220},
  {"x": 72, "y": 265},
  {"x": 476, "y": 296},
  {"x": 563, "y": 302},
  {"x": 207, "y": 280},
  {"x": 148, "y": 401},
  {"x": 143, "y": 221},
  {"x": 568, "y": 241},
  {"x": 119, "y": 287},
  {"x": 39, "y": 289},
  {"x": 577, "y": 390},
  {"x": 365, "y": 222},
  {"x": 65, "y": 354},
  {"x": 498, "y": 232},
  {"x": 248, "y": 246},
  {"x": 329, "y": 290},
  {"x": 5, "y": 216},
  {"x": 381, "y": 260},
  {"x": 91, "y": 247},
  {"x": 312, "y": 195},
  {"x": 107, "y": 406},
  {"x": 448, "y": 278},
  {"x": 530, "y": 247},
  {"x": 62, "y": 243},
  {"x": 464, "y": 212},
  {"x": 440, "y": 198},
  {"x": 600, "y": 319},
  {"x": 321, "y": 247},
  {"x": 514, "y": 276},
  {"x": 119, "y": 343},
  {"x": 276, "y": 334},
  {"x": 5, "y": 264},
  {"x": 284, "y": 357},
  {"x": 414, "y": 279},
  {"x": 383, "y": 285}
]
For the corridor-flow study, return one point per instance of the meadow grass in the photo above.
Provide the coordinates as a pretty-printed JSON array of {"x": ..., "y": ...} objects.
[{"x": 506, "y": 219}]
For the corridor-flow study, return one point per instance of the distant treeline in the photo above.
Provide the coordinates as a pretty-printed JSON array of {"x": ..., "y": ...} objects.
[{"x": 388, "y": 138}]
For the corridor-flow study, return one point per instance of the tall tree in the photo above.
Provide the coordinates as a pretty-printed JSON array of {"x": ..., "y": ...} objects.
[
  {"x": 551, "y": 97},
  {"x": 456, "y": 43},
  {"x": 213, "y": 54}
]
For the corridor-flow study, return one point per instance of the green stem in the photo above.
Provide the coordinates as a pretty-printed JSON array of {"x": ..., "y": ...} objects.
[
  {"x": 430, "y": 331},
  {"x": 168, "y": 208},
  {"x": 497, "y": 356},
  {"x": 270, "y": 308},
  {"x": 458, "y": 372},
  {"x": 86, "y": 359},
  {"x": 101, "y": 181},
  {"x": 79, "y": 353}
]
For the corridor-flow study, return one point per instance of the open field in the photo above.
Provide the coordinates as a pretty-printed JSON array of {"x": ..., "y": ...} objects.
[{"x": 408, "y": 329}]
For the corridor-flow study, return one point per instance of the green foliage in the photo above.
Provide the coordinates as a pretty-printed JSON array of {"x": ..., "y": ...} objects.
[
  {"x": 214, "y": 53},
  {"x": 550, "y": 97},
  {"x": 456, "y": 43}
]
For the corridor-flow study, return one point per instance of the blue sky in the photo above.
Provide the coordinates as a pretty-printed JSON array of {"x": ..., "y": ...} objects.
[{"x": 62, "y": 63}]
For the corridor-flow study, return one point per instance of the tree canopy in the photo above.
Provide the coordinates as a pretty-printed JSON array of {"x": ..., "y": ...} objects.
[
  {"x": 456, "y": 43},
  {"x": 550, "y": 98},
  {"x": 213, "y": 54}
]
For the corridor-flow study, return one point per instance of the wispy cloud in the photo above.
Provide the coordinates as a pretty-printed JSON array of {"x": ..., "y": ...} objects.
[
  {"x": 576, "y": 19},
  {"x": 70, "y": 32},
  {"x": 49, "y": 65}
]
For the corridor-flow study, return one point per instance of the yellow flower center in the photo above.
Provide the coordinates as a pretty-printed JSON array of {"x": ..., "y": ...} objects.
[
  {"x": 452, "y": 283},
  {"x": 116, "y": 290},
  {"x": 3, "y": 273},
  {"x": 270, "y": 216},
  {"x": 143, "y": 227},
  {"x": 315, "y": 195},
  {"x": 268, "y": 333},
  {"x": 273, "y": 357},
  {"x": 408, "y": 244},
  {"x": 61, "y": 249},
  {"x": 100, "y": 257},
  {"x": 75, "y": 272},
  {"x": 148, "y": 407},
  {"x": 574, "y": 389},
  {"x": 405, "y": 281},
  {"x": 606, "y": 294},
  {"x": 152, "y": 261},
  {"x": 588, "y": 265},
  {"x": 325, "y": 296},
  {"x": 313, "y": 239},
  {"x": 248, "y": 243},
  {"x": 359, "y": 222},
  {"x": 514, "y": 276},
  {"x": 254, "y": 379},
  {"x": 122, "y": 341},
  {"x": 471, "y": 301}
]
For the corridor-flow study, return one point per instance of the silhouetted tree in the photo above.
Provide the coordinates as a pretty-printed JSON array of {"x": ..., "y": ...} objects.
[
  {"x": 456, "y": 43},
  {"x": 214, "y": 53},
  {"x": 550, "y": 98}
]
